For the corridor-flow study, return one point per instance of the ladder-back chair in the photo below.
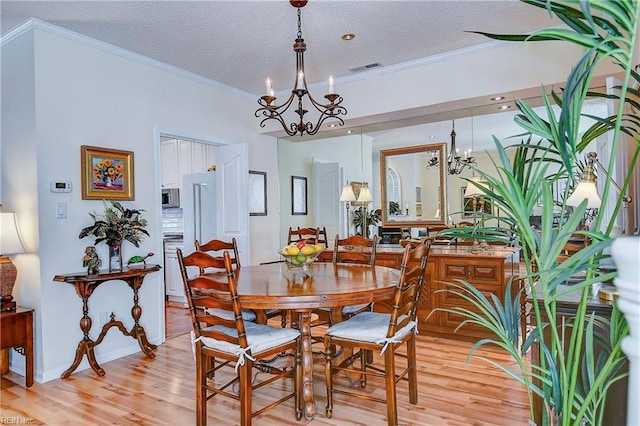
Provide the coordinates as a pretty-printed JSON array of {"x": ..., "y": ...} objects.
[
  {"x": 383, "y": 333},
  {"x": 239, "y": 345}
]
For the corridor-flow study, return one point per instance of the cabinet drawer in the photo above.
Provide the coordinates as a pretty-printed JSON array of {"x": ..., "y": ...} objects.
[{"x": 486, "y": 272}]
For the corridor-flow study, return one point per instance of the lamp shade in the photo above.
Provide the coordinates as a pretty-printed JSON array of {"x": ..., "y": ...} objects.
[
  {"x": 347, "y": 193},
  {"x": 10, "y": 238},
  {"x": 365, "y": 194},
  {"x": 585, "y": 190},
  {"x": 472, "y": 189}
]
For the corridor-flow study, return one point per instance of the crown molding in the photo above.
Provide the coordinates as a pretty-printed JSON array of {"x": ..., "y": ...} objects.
[{"x": 36, "y": 24}]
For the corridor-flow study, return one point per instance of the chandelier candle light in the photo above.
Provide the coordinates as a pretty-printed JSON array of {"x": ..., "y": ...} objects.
[{"x": 270, "y": 111}]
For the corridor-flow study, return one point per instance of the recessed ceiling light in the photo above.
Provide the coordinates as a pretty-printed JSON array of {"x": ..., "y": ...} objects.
[
  {"x": 504, "y": 107},
  {"x": 349, "y": 131},
  {"x": 349, "y": 36},
  {"x": 332, "y": 125},
  {"x": 497, "y": 98}
]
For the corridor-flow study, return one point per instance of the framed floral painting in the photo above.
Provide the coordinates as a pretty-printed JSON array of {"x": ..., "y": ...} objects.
[{"x": 107, "y": 174}]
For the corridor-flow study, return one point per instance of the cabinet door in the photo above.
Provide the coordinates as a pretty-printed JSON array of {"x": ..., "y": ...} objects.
[
  {"x": 184, "y": 160},
  {"x": 172, "y": 278},
  {"x": 198, "y": 157},
  {"x": 486, "y": 275},
  {"x": 210, "y": 156},
  {"x": 170, "y": 169}
]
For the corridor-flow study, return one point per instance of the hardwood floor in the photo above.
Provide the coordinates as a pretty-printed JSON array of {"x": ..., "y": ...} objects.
[{"x": 143, "y": 391}]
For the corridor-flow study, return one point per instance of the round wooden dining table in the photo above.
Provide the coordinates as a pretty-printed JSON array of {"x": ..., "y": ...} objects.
[{"x": 274, "y": 286}]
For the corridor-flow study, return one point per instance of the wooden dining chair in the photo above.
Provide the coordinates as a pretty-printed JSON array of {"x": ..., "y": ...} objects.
[
  {"x": 309, "y": 235},
  {"x": 215, "y": 248},
  {"x": 359, "y": 250},
  {"x": 355, "y": 249},
  {"x": 383, "y": 332},
  {"x": 240, "y": 345}
]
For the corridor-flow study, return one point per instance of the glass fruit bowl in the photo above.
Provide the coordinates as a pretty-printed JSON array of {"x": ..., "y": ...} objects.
[{"x": 300, "y": 258}]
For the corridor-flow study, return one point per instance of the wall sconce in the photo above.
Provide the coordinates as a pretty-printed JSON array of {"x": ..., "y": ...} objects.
[
  {"x": 586, "y": 188},
  {"x": 10, "y": 243}
]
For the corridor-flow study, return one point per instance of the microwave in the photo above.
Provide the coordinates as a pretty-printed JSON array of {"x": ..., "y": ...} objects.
[{"x": 170, "y": 197}]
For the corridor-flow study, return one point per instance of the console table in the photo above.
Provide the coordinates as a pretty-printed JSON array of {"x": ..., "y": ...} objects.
[
  {"x": 16, "y": 331},
  {"x": 85, "y": 285}
]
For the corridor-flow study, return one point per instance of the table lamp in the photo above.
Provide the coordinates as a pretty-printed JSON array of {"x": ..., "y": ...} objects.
[
  {"x": 10, "y": 243},
  {"x": 365, "y": 197},
  {"x": 347, "y": 197}
]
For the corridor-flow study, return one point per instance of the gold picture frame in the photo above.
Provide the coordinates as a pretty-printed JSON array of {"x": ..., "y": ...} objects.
[{"x": 107, "y": 174}]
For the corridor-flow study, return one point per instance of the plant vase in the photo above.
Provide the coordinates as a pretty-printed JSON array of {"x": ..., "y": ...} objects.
[{"x": 115, "y": 257}]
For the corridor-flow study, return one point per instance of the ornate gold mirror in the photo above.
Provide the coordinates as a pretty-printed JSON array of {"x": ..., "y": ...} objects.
[{"x": 414, "y": 195}]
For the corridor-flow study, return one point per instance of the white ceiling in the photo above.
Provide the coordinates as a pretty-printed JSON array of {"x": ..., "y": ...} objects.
[{"x": 240, "y": 43}]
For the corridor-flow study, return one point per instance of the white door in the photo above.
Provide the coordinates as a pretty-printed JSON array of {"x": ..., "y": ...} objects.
[
  {"x": 232, "y": 171},
  {"x": 326, "y": 187}
]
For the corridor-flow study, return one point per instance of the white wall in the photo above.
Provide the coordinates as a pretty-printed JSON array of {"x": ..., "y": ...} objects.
[
  {"x": 58, "y": 94},
  {"x": 296, "y": 159}
]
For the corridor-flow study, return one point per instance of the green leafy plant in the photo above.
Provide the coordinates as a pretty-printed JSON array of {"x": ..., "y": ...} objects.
[
  {"x": 115, "y": 225},
  {"x": 571, "y": 377}
]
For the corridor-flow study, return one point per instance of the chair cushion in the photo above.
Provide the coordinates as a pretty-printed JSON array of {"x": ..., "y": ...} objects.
[
  {"x": 370, "y": 327},
  {"x": 247, "y": 315},
  {"x": 259, "y": 338},
  {"x": 350, "y": 309}
]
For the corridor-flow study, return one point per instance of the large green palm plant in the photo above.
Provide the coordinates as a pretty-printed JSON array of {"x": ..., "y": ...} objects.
[{"x": 571, "y": 377}]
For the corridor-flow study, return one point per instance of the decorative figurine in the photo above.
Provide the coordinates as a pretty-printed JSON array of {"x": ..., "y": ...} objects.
[
  {"x": 91, "y": 261},
  {"x": 139, "y": 259}
]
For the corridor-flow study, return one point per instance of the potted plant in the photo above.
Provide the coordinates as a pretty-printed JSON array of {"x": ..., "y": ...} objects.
[
  {"x": 571, "y": 378},
  {"x": 115, "y": 225}
]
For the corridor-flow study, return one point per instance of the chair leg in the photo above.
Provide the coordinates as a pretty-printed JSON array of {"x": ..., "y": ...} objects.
[
  {"x": 364, "y": 357},
  {"x": 413, "y": 373},
  {"x": 202, "y": 363},
  {"x": 244, "y": 380},
  {"x": 390, "y": 371},
  {"x": 328, "y": 377}
]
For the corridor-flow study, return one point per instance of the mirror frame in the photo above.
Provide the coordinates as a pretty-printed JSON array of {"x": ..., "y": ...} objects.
[{"x": 434, "y": 224}]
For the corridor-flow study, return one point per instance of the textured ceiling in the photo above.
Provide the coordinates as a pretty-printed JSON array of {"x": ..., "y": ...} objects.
[{"x": 240, "y": 43}]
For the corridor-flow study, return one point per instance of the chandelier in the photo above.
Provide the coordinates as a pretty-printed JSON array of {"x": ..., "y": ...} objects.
[
  {"x": 455, "y": 162},
  {"x": 270, "y": 111}
]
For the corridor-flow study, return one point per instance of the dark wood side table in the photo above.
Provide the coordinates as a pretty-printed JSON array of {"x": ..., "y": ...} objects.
[
  {"x": 85, "y": 285},
  {"x": 615, "y": 408},
  {"x": 17, "y": 333}
]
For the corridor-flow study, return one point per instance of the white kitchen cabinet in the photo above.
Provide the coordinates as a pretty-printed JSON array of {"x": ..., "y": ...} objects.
[
  {"x": 170, "y": 172},
  {"x": 172, "y": 278},
  {"x": 181, "y": 157}
]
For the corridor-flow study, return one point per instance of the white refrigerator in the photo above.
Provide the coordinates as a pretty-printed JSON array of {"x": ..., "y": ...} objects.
[
  {"x": 215, "y": 204},
  {"x": 199, "y": 209}
]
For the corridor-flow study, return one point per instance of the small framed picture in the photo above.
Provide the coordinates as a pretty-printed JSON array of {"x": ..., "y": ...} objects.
[
  {"x": 106, "y": 173},
  {"x": 257, "y": 193},
  {"x": 298, "y": 195}
]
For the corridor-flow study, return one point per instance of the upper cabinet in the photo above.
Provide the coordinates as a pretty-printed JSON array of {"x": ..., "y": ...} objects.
[{"x": 180, "y": 157}]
